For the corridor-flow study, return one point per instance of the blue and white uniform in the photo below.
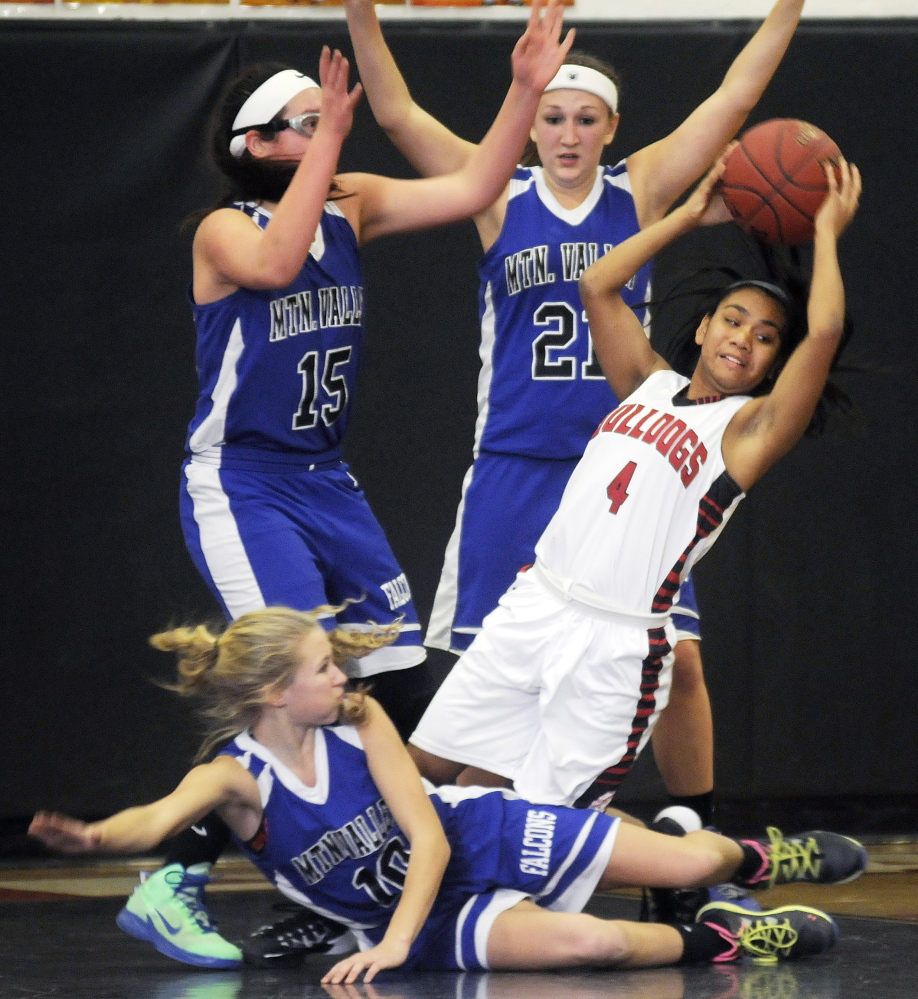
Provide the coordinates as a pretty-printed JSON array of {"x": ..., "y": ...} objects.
[
  {"x": 270, "y": 512},
  {"x": 336, "y": 849},
  {"x": 569, "y": 673},
  {"x": 541, "y": 392}
]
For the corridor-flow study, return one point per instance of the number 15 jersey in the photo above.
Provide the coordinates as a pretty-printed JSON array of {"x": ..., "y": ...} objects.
[
  {"x": 277, "y": 366},
  {"x": 541, "y": 392}
]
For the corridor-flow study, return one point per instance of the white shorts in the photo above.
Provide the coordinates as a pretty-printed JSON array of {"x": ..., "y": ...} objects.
[{"x": 550, "y": 694}]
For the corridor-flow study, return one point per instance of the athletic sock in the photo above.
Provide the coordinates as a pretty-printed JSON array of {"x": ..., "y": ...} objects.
[
  {"x": 751, "y": 872},
  {"x": 700, "y": 943},
  {"x": 201, "y": 844},
  {"x": 703, "y": 804}
]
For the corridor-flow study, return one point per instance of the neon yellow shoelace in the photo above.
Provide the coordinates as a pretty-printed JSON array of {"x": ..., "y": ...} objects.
[
  {"x": 795, "y": 860},
  {"x": 762, "y": 939}
]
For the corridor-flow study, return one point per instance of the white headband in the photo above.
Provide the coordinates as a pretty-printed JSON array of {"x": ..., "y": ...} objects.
[
  {"x": 266, "y": 101},
  {"x": 570, "y": 77}
]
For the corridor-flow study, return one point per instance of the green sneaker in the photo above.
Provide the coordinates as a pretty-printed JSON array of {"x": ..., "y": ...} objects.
[{"x": 168, "y": 911}]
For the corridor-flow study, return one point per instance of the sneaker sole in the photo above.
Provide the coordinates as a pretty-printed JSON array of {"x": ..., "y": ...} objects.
[
  {"x": 275, "y": 960},
  {"x": 143, "y": 929}
]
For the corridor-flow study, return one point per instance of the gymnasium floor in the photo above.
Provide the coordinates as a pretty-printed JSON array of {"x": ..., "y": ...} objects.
[{"x": 58, "y": 938}]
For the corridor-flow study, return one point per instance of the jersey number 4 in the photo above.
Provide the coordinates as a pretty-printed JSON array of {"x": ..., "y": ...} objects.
[
  {"x": 618, "y": 487},
  {"x": 333, "y": 382},
  {"x": 547, "y": 365}
]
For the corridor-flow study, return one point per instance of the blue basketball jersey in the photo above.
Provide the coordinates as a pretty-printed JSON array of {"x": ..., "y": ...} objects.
[
  {"x": 278, "y": 366},
  {"x": 541, "y": 391},
  {"x": 335, "y": 848}
]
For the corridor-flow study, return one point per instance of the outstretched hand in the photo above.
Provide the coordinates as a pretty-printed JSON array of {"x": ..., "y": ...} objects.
[
  {"x": 60, "y": 832},
  {"x": 371, "y": 961},
  {"x": 841, "y": 203},
  {"x": 337, "y": 108},
  {"x": 706, "y": 204},
  {"x": 540, "y": 52}
]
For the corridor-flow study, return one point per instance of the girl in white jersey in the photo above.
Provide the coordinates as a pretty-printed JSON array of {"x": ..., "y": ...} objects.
[
  {"x": 541, "y": 392},
  {"x": 569, "y": 673},
  {"x": 322, "y": 796}
]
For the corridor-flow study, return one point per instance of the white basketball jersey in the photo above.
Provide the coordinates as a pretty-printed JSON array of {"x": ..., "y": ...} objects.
[{"x": 647, "y": 499}]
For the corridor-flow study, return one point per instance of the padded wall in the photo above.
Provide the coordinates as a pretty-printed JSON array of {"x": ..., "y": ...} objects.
[{"x": 808, "y": 598}]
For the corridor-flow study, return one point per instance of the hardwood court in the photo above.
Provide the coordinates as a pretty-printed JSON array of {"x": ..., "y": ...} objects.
[{"x": 58, "y": 938}]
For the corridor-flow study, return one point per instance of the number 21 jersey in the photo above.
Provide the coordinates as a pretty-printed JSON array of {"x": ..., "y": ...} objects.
[{"x": 541, "y": 392}]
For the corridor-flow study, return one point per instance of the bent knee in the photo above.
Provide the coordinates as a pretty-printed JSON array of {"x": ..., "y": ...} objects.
[
  {"x": 596, "y": 942},
  {"x": 701, "y": 864}
]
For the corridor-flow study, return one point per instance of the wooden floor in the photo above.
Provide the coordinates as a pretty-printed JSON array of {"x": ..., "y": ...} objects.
[{"x": 58, "y": 938}]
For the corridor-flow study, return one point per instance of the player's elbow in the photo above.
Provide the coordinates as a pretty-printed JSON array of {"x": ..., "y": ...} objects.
[{"x": 590, "y": 286}]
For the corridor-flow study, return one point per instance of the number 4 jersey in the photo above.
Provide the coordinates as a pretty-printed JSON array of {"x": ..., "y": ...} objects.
[
  {"x": 541, "y": 392},
  {"x": 647, "y": 499},
  {"x": 277, "y": 366}
]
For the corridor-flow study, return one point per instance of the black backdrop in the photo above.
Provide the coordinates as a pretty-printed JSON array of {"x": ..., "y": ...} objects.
[{"x": 808, "y": 600}]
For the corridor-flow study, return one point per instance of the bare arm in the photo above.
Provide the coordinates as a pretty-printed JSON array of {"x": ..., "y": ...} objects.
[
  {"x": 220, "y": 783},
  {"x": 400, "y": 784},
  {"x": 229, "y": 251},
  {"x": 768, "y": 427},
  {"x": 662, "y": 171},
  {"x": 388, "y": 206},
  {"x": 619, "y": 340},
  {"x": 430, "y": 147}
]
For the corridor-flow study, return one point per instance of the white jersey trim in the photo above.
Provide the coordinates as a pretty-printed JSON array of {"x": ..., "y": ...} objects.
[
  {"x": 317, "y": 795},
  {"x": 621, "y": 180},
  {"x": 221, "y": 544},
  {"x": 212, "y": 429},
  {"x": 439, "y": 627},
  {"x": 573, "y": 216},
  {"x": 518, "y": 186},
  {"x": 486, "y": 375}
]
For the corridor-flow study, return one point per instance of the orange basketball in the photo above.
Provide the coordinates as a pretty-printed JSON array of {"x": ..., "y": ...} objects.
[{"x": 774, "y": 181}]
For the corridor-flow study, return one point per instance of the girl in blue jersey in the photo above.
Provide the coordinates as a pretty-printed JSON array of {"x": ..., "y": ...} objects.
[
  {"x": 270, "y": 512},
  {"x": 541, "y": 391},
  {"x": 322, "y": 796}
]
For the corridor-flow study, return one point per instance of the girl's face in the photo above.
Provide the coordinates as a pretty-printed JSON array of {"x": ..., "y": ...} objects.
[
  {"x": 572, "y": 127},
  {"x": 316, "y": 690},
  {"x": 288, "y": 144},
  {"x": 739, "y": 343}
]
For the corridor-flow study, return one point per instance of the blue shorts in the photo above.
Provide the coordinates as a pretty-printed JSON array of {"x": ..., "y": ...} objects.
[
  {"x": 505, "y": 849},
  {"x": 300, "y": 539},
  {"x": 507, "y": 502}
]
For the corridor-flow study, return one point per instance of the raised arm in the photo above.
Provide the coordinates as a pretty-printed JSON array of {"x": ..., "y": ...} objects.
[
  {"x": 387, "y": 206},
  {"x": 662, "y": 171},
  {"x": 430, "y": 147},
  {"x": 219, "y": 783},
  {"x": 400, "y": 784},
  {"x": 768, "y": 427},
  {"x": 229, "y": 251},
  {"x": 619, "y": 339}
]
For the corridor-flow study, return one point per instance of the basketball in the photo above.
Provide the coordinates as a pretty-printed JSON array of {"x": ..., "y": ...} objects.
[{"x": 774, "y": 182}]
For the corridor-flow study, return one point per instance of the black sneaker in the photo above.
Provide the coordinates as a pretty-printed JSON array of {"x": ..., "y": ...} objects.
[
  {"x": 682, "y": 905},
  {"x": 823, "y": 858},
  {"x": 287, "y": 942},
  {"x": 788, "y": 932}
]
